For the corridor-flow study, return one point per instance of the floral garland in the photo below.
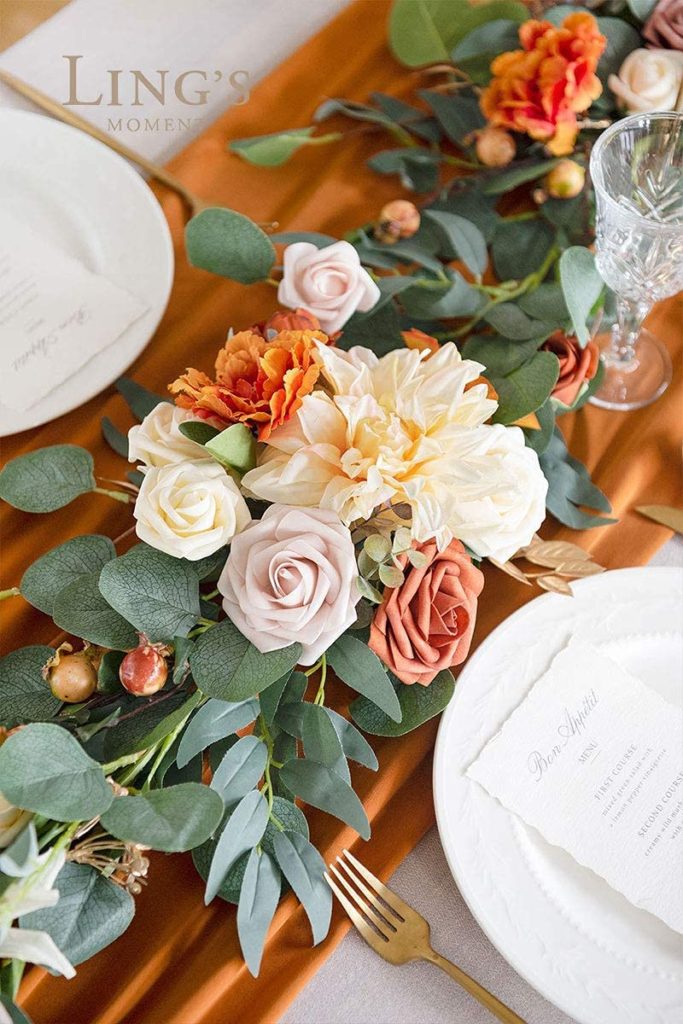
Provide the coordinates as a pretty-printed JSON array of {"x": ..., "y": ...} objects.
[{"x": 318, "y": 507}]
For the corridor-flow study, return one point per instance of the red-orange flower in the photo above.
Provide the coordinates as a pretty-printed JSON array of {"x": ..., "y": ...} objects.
[
  {"x": 417, "y": 339},
  {"x": 540, "y": 89},
  {"x": 258, "y": 382}
]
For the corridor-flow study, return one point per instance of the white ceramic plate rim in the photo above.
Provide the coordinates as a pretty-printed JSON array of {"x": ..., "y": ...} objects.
[
  {"x": 103, "y": 369},
  {"x": 482, "y": 913}
]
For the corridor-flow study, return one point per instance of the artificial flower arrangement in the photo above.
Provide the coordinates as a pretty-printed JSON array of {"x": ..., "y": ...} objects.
[{"x": 317, "y": 507}]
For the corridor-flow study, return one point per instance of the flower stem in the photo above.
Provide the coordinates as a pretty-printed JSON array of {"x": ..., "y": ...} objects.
[
  {"x": 11, "y": 592},
  {"x": 320, "y": 695},
  {"x": 116, "y": 495}
]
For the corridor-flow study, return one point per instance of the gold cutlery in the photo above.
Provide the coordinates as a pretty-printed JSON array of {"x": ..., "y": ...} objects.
[
  {"x": 666, "y": 515},
  {"x": 193, "y": 202},
  {"x": 396, "y": 931}
]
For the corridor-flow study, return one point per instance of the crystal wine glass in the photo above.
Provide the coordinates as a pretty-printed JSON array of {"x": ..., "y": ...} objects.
[{"x": 637, "y": 172}]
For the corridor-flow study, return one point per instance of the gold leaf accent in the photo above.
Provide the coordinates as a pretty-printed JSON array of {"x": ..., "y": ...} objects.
[
  {"x": 552, "y": 553},
  {"x": 555, "y": 585},
  {"x": 511, "y": 570},
  {"x": 579, "y": 569}
]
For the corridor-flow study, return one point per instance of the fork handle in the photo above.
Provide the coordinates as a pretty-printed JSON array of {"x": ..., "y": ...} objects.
[{"x": 481, "y": 994}]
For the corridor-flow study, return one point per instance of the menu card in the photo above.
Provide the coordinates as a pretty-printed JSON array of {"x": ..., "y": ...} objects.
[
  {"x": 593, "y": 759},
  {"x": 55, "y": 315}
]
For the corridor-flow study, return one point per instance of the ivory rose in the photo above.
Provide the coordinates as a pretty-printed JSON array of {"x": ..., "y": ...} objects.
[
  {"x": 291, "y": 577},
  {"x": 649, "y": 80},
  {"x": 577, "y": 365},
  {"x": 157, "y": 441},
  {"x": 426, "y": 624},
  {"x": 329, "y": 282},
  {"x": 189, "y": 510},
  {"x": 409, "y": 427}
]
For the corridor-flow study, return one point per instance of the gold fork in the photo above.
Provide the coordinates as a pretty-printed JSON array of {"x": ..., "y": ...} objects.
[
  {"x": 46, "y": 103},
  {"x": 397, "y": 932}
]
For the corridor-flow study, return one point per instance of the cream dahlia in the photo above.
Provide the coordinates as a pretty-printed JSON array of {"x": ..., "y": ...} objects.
[{"x": 409, "y": 427}]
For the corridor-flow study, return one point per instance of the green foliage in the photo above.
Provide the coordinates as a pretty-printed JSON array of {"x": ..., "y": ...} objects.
[
  {"x": 321, "y": 741},
  {"x": 173, "y": 819},
  {"x": 91, "y": 913},
  {"x": 362, "y": 670},
  {"x": 520, "y": 247},
  {"x": 320, "y": 786},
  {"x": 304, "y": 869},
  {"x": 47, "y": 478},
  {"x": 581, "y": 286},
  {"x": 247, "y": 825},
  {"x": 354, "y": 744},
  {"x": 240, "y": 770},
  {"x": 540, "y": 439},
  {"x": 417, "y": 168},
  {"x": 114, "y": 438},
  {"x": 45, "y": 770},
  {"x": 198, "y": 431},
  {"x": 520, "y": 173},
  {"x": 156, "y": 593},
  {"x": 24, "y": 694},
  {"x": 276, "y": 149},
  {"x": 418, "y": 705},
  {"x": 425, "y": 31},
  {"x": 463, "y": 240},
  {"x": 229, "y": 244},
  {"x": 226, "y": 665},
  {"x": 459, "y": 116},
  {"x": 214, "y": 721},
  {"x": 498, "y": 356},
  {"x": 488, "y": 40},
  {"x": 14, "y": 1014},
  {"x": 314, "y": 237},
  {"x": 234, "y": 447},
  {"x": 270, "y": 698},
  {"x": 546, "y": 303},
  {"x": 81, "y": 609},
  {"x": 42, "y": 582},
  {"x": 150, "y": 723},
  {"x": 140, "y": 400},
  {"x": 527, "y": 388},
  {"x": 454, "y": 299},
  {"x": 509, "y": 320},
  {"x": 258, "y": 899},
  {"x": 570, "y": 487}
]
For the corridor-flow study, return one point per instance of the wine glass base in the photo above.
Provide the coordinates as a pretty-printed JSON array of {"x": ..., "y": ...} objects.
[{"x": 632, "y": 385}]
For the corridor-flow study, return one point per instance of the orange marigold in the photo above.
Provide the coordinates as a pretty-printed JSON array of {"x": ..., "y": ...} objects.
[
  {"x": 258, "y": 382},
  {"x": 540, "y": 89}
]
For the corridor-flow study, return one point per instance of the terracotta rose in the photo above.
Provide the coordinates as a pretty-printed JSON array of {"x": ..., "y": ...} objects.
[
  {"x": 426, "y": 624},
  {"x": 577, "y": 365}
]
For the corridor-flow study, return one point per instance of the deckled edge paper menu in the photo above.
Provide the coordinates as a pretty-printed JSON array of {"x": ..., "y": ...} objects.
[
  {"x": 593, "y": 759},
  {"x": 55, "y": 315}
]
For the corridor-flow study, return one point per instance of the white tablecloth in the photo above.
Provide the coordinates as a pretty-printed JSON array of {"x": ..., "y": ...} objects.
[{"x": 354, "y": 986}]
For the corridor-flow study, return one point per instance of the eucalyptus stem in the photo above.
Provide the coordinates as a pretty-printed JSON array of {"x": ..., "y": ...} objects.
[
  {"x": 164, "y": 747},
  {"x": 320, "y": 695},
  {"x": 10, "y": 592},
  {"x": 116, "y": 495}
]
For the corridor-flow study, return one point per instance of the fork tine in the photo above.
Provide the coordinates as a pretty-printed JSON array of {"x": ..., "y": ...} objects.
[
  {"x": 369, "y": 934},
  {"x": 389, "y": 915},
  {"x": 371, "y": 914},
  {"x": 388, "y": 895}
]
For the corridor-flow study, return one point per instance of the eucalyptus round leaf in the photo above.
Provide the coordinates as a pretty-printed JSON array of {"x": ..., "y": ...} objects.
[
  {"x": 91, "y": 913},
  {"x": 174, "y": 819},
  {"x": 418, "y": 704},
  {"x": 581, "y": 286},
  {"x": 463, "y": 240},
  {"x": 226, "y": 243},
  {"x": 24, "y": 694},
  {"x": 45, "y": 770},
  {"x": 63, "y": 565},
  {"x": 80, "y": 609},
  {"x": 156, "y": 593},
  {"x": 425, "y": 31},
  {"x": 48, "y": 478},
  {"x": 226, "y": 665},
  {"x": 362, "y": 670},
  {"x": 276, "y": 149},
  {"x": 527, "y": 388}
]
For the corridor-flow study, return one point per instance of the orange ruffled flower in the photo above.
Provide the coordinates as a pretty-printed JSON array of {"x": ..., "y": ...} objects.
[
  {"x": 540, "y": 89},
  {"x": 258, "y": 382}
]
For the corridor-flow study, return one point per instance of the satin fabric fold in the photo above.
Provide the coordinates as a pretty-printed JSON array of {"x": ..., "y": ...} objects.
[{"x": 179, "y": 962}]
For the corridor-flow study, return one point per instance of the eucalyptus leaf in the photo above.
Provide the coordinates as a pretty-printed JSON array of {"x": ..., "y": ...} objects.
[
  {"x": 214, "y": 721},
  {"x": 410, "y": 118},
  {"x": 418, "y": 705},
  {"x": 581, "y": 286},
  {"x": 520, "y": 247},
  {"x": 545, "y": 303},
  {"x": 354, "y": 744},
  {"x": 24, "y": 694},
  {"x": 540, "y": 439},
  {"x": 269, "y": 699},
  {"x": 258, "y": 899},
  {"x": 139, "y": 399},
  {"x": 45, "y": 770},
  {"x": 47, "y": 478},
  {"x": 318, "y": 785},
  {"x": 463, "y": 240},
  {"x": 379, "y": 330},
  {"x": 490, "y": 39},
  {"x": 527, "y": 388},
  {"x": 91, "y": 913},
  {"x": 570, "y": 487},
  {"x": 156, "y": 593},
  {"x": 14, "y": 1015},
  {"x": 362, "y": 670},
  {"x": 321, "y": 741},
  {"x": 498, "y": 355},
  {"x": 519, "y": 174},
  {"x": 417, "y": 168},
  {"x": 226, "y": 665},
  {"x": 425, "y": 31},
  {"x": 229, "y": 244},
  {"x": 456, "y": 299},
  {"x": 276, "y": 149},
  {"x": 149, "y": 725},
  {"x": 476, "y": 207},
  {"x": 240, "y": 769},
  {"x": 173, "y": 819},
  {"x": 316, "y": 238},
  {"x": 459, "y": 116},
  {"x": 509, "y": 320},
  {"x": 42, "y": 581},
  {"x": 198, "y": 431},
  {"x": 114, "y": 437},
  {"x": 247, "y": 825},
  {"x": 304, "y": 869},
  {"x": 81, "y": 609}
]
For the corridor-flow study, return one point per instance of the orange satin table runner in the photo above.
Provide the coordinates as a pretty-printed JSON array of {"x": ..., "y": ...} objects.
[{"x": 179, "y": 962}]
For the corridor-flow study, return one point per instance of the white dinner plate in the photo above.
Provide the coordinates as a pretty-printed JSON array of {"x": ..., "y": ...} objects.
[
  {"x": 576, "y": 940},
  {"x": 89, "y": 202}
]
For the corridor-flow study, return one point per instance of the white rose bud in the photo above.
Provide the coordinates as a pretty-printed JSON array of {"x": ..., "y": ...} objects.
[
  {"x": 157, "y": 441},
  {"x": 329, "y": 282},
  {"x": 649, "y": 80},
  {"x": 189, "y": 510}
]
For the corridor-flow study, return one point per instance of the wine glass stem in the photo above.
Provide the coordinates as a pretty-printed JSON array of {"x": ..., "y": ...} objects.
[{"x": 630, "y": 316}]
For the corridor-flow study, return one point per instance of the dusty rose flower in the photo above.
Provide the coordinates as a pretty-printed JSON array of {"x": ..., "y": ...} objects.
[
  {"x": 495, "y": 147},
  {"x": 291, "y": 577},
  {"x": 329, "y": 282},
  {"x": 577, "y": 365},
  {"x": 665, "y": 26},
  {"x": 426, "y": 624}
]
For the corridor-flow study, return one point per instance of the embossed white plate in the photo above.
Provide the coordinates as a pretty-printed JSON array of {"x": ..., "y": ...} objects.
[
  {"x": 575, "y": 939},
  {"x": 88, "y": 201}
]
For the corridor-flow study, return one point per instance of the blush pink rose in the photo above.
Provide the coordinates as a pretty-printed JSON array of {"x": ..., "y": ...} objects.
[
  {"x": 665, "y": 27},
  {"x": 330, "y": 283},
  {"x": 291, "y": 576},
  {"x": 426, "y": 624}
]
